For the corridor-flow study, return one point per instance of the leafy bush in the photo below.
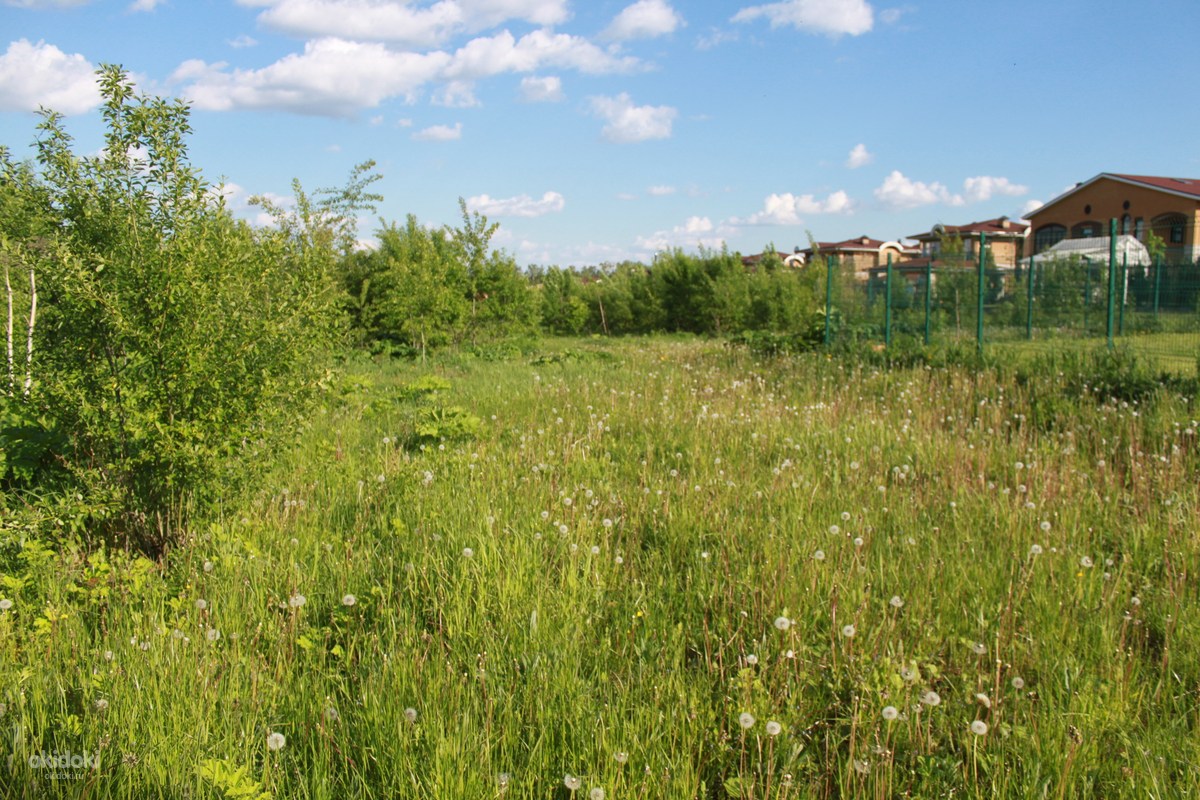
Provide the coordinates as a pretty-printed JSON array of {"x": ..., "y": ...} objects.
[{"x": 174, "y": 344}]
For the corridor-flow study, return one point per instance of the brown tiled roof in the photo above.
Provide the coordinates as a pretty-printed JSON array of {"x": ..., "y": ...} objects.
[
  {"x": 857, "y": 244},
  {"x": 1188, "y": 186},
  {"x": 992, "y": 227}
]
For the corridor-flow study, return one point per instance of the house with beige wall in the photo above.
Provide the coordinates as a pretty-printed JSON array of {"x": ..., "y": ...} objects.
[
  {"x": 861, "y": 254},
  {"x": 1141, "y": 204},
  {"x": 1004, "y": 237}
]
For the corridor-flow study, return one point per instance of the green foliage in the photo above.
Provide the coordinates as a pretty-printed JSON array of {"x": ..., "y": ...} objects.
[
  {"x": 173, "y": 343},
  {"x": 232, "y": 781}
]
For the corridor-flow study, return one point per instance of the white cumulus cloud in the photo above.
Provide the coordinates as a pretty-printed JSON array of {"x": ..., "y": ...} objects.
[
  {"x": 1031, "y": 206},
  {"x": 414, "y": 24},
  {"x": 34, "y": 75},
  {"x": 900, "y": 192},
  {"x": 859, "y": 157},
  {"x": 829, "y": 17},
  {"x": 541, "y": 90},
  {"x": 332, "y": 77},
  {"x": 492, "y": 55},
  {"x": 439, "y": 133},
  {"x": 985, "y": 187},
  {"x": 519, "y": 206},
  {"x": 627, "y": 122},
  {"x": 788, "y": 208},
  {"x": 694, "y": 231},
  {"x": 644, "y": 19}
]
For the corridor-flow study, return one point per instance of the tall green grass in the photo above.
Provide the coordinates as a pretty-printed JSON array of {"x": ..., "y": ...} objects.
[{"x": 642, "y": 542}]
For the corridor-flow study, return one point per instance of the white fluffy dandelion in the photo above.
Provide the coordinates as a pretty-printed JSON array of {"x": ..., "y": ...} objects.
[
  {"x": 596, "y": 793},
  {"x": 571, "y": 782},
  {"x": 979, "y": 727},
  {"x": 5, "y": 604},
  {"x": 212, "y": 634},
  {"x": 276, "y": 741},
  {"x": 931, "y": 698},
  {"x": 746, "y": 720},
  {"x": 896, "y": 601},
  {"x": 889, "y": 713},
  {"x": 349, "y": 600},
  {"x": 297, "y": 600},
  {"x": 849, "y": 631},
  {"x": 410, "y": 714},
  {"x": 1018, "y": 682},
  {"x": 783, "y": 623},
  {"x": 774, "y": 728}
]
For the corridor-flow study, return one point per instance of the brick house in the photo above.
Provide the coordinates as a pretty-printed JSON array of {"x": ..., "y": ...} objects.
[
  {"x": 1005, "y": 239},
  {"x": 862, "y": 254},
  {"x": 1141, "y": 204}
]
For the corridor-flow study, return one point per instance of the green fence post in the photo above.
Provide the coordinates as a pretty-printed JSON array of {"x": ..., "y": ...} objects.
[
  {"x": 1087, "y": 290},
  {"x": 928, "y": 297},
  {"x": 887, "y": 312},
  {"x": 1124, "y": 293},
  {"x": 828, "y": 296},
  {"x": 979, "y": 295},
  {"x": 1029, "y": 302},
  {"x": 1112, "y": 280},
  {"x": 1157, "y": 283}
]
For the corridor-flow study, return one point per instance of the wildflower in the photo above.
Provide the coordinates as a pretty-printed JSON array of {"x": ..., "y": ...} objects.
[
  {"x": 848, "y": 631},
  {"x": 819, "y": 555},
  {"x": 752, "y": 659},
  {"x": 208, "y": 566},
  {"x": 896, "y": 602},
  {"x": 108, "y": 655},
  {"x": 145, "y": 645},
  {"x": 276, "y": 741},
  {"x": 100, "y": 705},
  {"x": 1035, "y": 549},
  {"x": 212, "y": 634},
  {"x": 858, "y": 541},
  {"x": 889, "y": 713},
  {"x": 979, "y": 648},
  {"x": 1086, "y": 562},
  {"x": 983, "y": 700},
  {"x": 618, "y": 561},
  {"x": 862, "y": 767},
  {"x": 410, "y": 714},
  {"x": 1045, "y": 526},
  {"x": 907, "y": 674},
  {"x": 177, "y": 634},
  {"x": 621, "y": 756},
  {"x": 468, "y": 552},
  {"x": 5, "y": 604},
  {"x": 596, "y": 793},
  {"x": 202, "y": 605},
  {"x": 608, "y": 523},
  {"x": 845, "y": 516},
  {"x": 834, "y": 530},
  {"x": 931, "y": 698},
  {"x": 746, "y": 720},
  {"x": 979, "y": 727},
  {"x": 774, "y": 728},
  {"x": 1018, "y": 682},
  {"x": 563, "y": 529},
  {"x": 331, "y": 714},
  {"x": 349, "y": 600},
  {"x": 783, "y": 623},
  {"x": 595, "y": 550},
  {"x": 571, "y": 782},
  {"x": 297, "y": 600}
]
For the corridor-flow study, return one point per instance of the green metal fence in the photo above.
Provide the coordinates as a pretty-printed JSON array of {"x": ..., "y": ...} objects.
[{"x": 1035, "y": 305}]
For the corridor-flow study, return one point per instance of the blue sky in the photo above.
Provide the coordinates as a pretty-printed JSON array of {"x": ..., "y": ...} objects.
[{"x": 599, "y": 131}]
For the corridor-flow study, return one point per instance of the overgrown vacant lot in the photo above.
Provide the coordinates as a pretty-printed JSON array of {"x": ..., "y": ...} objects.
[{"x": 653, "y": 569}]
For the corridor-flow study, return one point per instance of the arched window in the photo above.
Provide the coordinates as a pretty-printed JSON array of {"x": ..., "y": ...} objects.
[
  {"x": 1047, "y": 236},
  {"x": 1126, "y": 225},
  {"x": 1170, "y": 227},
  {"x": 1086, "y": 230}
]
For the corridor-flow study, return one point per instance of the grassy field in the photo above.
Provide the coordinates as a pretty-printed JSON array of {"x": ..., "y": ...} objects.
[{"x": 649, "y": 568}]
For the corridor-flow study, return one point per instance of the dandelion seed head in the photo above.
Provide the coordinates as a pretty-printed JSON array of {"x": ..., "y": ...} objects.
[
  {"x": 596, "y": 793},
  {"x": 276, "y": 741},
  {"x": 212, "y": 634},
  {"x": 468, "y": 552},
  {"x": 1035, "y": 549},
  {"x": 979, "y": 648},
  {"x": 1086, "y": 562},
  {"x": 349, "y": 600},
  {"x": 208, "y": 566},
  {"x": 858, "y": 541},
  {"x": 931, "y": 698},
  {"x": 774, "y": 728},
  {"x": 983, "y": 700},
  {"x": 297, "y": 600},
  {"x": 751, "y": 659},
  {"x": 410, "y": 714},
  {"x": 979, "y": 727},
  {"x": 100, "y": 705},
  {"x": 571, "y": 782},
  {"x": 819, "y": 555},
  {"x": 889, "y": 713},
  {"x": 1018, "y": 682},
  {"x": 783, "y": 623},
  {"x": 621, "y": 756},
  {"x": 848, "y": 631},
  {"x": 331, "y": 714},
  {"x": 1045, "y": 526},
  {"x": 896, "y": 602},
  {"x": 746, "y": 720},
  {"x": 202, "y": 604}
]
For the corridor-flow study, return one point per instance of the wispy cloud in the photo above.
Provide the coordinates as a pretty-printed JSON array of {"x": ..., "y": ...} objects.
[
  {"x": 829, "y": 17},
  {"x": 439, "y": 133},
  {"x": 859, "y": 157},
  {"x": 519, "y": 206}
]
